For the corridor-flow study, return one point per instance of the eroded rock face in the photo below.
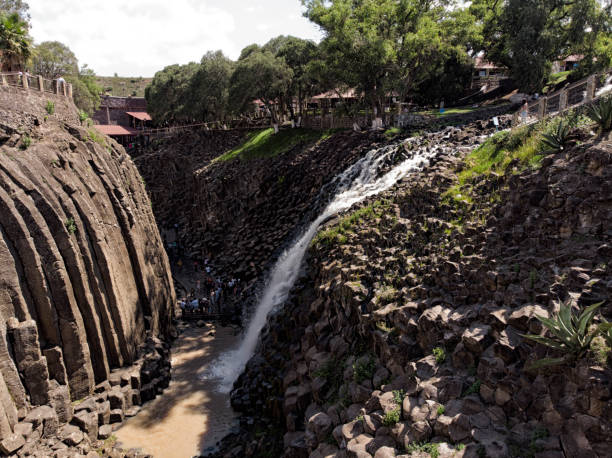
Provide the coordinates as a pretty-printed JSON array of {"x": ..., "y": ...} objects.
[
  {"x": 84, "y": 278},
  {"x": 240, "y": 212},
  {"x": 420, "y": 314}
]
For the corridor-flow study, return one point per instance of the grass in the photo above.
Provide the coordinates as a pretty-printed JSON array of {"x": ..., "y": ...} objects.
[
  {"x": 473, "y": 388},
  {"x": 417, "y": 447},
  {"x": 26, "y": 141},
  {"x": 364, "y": 370},
  {"x": 50, "y": 107},
  {"x": 70, "y": 225},
  {"x": 108, "y": 443},
  {"x": 264, "y": 143},
  {"x": 450, "y": 111},
  {"x": 392, "y": 417},
  {"x": 338, "y": 232},
  {"x": 96, "y": 137},
  {"x": 554, "y": 80},
  {"x": 440, "y": 354},
  {"x": 124, "y": 86},
  {"x": 392, "y": 132}
]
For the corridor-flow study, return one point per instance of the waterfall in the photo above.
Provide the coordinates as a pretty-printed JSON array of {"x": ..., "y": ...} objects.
[{"x": 360, "y": 181}]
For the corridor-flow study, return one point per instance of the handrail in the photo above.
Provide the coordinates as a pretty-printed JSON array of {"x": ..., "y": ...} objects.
[
  {"x": 25, "y": 81},
  {"x": 541, "y": 108}
]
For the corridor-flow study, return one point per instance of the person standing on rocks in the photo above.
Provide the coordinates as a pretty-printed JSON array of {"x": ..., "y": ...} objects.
[{"x": 524, "y": 111}]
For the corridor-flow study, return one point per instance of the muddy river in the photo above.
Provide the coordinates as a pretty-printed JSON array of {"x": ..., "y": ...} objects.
[{"x": 191, "y": 415}]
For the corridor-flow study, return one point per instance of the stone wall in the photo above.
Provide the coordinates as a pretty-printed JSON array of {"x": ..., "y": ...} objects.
[{"x": 85, "y": 280}]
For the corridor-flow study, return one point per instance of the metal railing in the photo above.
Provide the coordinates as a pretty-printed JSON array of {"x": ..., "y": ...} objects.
[
  {"x": 579, "y": 93},
  {"x": 29, "y": 82}
]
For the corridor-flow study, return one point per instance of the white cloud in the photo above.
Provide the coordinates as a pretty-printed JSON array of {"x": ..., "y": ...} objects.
[{"x": 140, "y": 37}]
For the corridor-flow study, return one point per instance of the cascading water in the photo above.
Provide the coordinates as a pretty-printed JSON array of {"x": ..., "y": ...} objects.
[{"x": 360, "y": 181}]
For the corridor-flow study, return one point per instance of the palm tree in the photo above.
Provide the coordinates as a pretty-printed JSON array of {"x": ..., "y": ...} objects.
[{"x": 15, "y": 43}]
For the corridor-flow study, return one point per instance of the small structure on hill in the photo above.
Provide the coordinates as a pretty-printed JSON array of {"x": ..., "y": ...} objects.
[
  {"x": 123, "y": 118},
  {"x": 568, "y": 63},
  {"x": 114, "y": 110},
  {"x": 487, "y": 74}
]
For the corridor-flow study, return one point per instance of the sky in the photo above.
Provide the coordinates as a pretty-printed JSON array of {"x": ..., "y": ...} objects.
[{"x": 140, "y": 37}]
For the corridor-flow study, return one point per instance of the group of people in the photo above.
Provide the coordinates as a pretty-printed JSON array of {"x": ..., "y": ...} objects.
[{"x": 211, "y": 295}]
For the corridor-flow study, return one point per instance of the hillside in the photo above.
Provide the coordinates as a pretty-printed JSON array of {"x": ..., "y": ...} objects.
[{"x": 120, "y": 86}]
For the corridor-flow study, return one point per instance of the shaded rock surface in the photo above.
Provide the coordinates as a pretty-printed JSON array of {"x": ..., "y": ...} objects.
[
  {"x": 241, "y": 212},
  {"x": 86, "y": 285},
  {"x": 347, "y": 366}
]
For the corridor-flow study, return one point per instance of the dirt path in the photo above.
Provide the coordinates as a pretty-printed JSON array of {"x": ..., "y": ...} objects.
[{"x": 191, "y": 415}]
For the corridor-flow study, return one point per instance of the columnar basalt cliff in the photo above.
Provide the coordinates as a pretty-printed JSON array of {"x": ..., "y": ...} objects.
[
  {"x": 240, "y": 212},
  {"x": 406, "y": 336},
  {"x": 85, "y": 281}
]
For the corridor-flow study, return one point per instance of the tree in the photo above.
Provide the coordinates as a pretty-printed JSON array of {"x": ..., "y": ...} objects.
[
  {"x": 85, "y": 91},
  {"x": 261, "y": 76},
  {"x": 52, "y": 59},
  {"x": 15, "y": 44},
  {"x": 383, "y": 46},
  {"x": 8, "y": 7},
  {"x": 297, "y": 54},
  {"x": 169, "y": 94},
  {"x": 210, "y": 87},
  {"x": 529, "y": 35}
]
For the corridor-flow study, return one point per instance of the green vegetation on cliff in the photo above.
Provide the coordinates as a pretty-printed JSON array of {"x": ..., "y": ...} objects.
[{"x": 264, "y": 143}]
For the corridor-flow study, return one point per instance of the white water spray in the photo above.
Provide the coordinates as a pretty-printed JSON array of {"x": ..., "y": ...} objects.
[
  {"x": 358, "y": 182},
  {"x": 606, "y": 88}
]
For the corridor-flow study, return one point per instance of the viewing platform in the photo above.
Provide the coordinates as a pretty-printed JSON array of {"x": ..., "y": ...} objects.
[{"x": 29, "y": 82}]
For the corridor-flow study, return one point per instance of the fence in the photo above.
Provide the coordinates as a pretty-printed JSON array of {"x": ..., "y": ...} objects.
[
  {"x": 574, "y": 95},
  {"x": 492, "y": 82},
  {"x": 36, "y": 83}
]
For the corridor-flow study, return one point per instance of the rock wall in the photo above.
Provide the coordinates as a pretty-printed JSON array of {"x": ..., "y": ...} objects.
[
  {"x": 239, "y": 213},
  {"x": 405, "y": 339},
  {"x": 84, "y": 276}
]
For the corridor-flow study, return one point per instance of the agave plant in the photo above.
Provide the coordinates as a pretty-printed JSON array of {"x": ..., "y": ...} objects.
[
  {"x": 601, "y": 113},
  {"x": 558, "y": 138},
  {"x": 572, "y": 333}
]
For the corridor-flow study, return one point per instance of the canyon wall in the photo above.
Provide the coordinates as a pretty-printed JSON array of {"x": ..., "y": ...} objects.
[
  {"x": 406, "y": 336},
  {"x": 84, "y": 277},
  {"x": 239, "y": 213}
]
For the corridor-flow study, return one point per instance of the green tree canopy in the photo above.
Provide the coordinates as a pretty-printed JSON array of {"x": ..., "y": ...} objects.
[
  {"x": 210, "y": 87},
  {"x": 261, "y": 76},
  {"x": 85, "y": 91},
  {"x": 385, "y": 46},
  {"x": 529, "y": 35},
  {"x": 297, "y": 53},
  {"x": 53, "y": 59},
  {"x": 169, "y": 94},
  {"x": 8, "y": 7},
  {"x": 15, "y": 43}
]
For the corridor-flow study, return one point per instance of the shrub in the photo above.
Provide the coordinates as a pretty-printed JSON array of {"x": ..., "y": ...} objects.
[
  {"x": 558, "y": 138},
  {"x": 392, "y": 417},
  {"x": 417, "y": 447},
  {"x": 26, "y": 141},
  {"x": 83, "y": 116},
  {"x": 473, "y": 388},
  {"x": 70, "y": 225},
  {"x": 601, "y": 113},
  {"x": 440, "y": 354},
  {"x": 572, "y": 333},
  {"x": 50, "y": 107},
  {"x": 398, "y": 397},
  {"x": 363, "y": 369}
]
